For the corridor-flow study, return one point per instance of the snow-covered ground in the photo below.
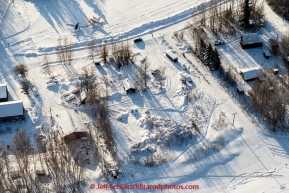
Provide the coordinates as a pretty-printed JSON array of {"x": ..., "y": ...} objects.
[{"x": 243, "y": 157}]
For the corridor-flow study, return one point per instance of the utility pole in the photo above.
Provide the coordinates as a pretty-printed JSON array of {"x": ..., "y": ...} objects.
[{"x": 234, "y": 117}]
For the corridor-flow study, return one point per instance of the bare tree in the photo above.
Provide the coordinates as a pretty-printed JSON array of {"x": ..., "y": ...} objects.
[
  {"x": 64, "y": 51},
  {"x": 144, "y": 71},
  {"x": 91, "y": 49},
  {"x": 21, "y": 69},
  {"x": 103, "y": 50},
  {"x": 46, "y": 66},
  {"x": 161, "y": 76},
  {"x": 22, "y": 150},
  {"x": 25, "y": 86}
]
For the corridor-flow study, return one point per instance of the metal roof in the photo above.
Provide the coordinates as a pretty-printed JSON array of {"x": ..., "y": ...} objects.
[
  {"x": 250, "y": 73},
  {"x": 11, "y": 108},
  {"x": 250, "y": 38},
  {"x": 70, "y": 121}
]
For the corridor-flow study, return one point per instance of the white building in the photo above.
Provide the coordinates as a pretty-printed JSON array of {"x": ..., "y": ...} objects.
[{"x": 12, "y": 110}]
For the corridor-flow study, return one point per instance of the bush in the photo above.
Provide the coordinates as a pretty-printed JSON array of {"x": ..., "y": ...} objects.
[{"x": 21, "y": 70}]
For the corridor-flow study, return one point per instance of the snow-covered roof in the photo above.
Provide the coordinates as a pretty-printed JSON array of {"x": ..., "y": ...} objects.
[
  {"x": 250, "y": 73},
  {"x": 3, "y": 91},
  {"x": 250, "y": 38},
  {"x": 83, "y": 95},
  {"x": 127, "y": 84},
  {"x": 171, "y": 54},
  {"x": 267, "y": 53},
  {"x": 11, "y": 108},
  {"x": 240, "y": 88},
  {"x": 70, "y": 121}
]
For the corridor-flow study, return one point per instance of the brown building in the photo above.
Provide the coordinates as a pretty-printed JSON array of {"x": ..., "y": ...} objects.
[{"x": 71, "y": 125}]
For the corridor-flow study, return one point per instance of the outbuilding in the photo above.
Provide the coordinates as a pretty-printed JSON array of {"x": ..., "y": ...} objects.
[
  {"x": 128, "y": 86},
  {"x": 249, "y": 74},
  {"x": 251, "y": 40},
  {"x": 240, "y": 89},
  {"x": 3, "y": 93},
  {"x": 12, "y": 110},
  {"x": 71, "y": 125},
  {"x": 171, "y": 56},
  {"x": 266, "y": 54}
]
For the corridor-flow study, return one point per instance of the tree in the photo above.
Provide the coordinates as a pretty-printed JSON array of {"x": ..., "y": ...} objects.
[
  {"x": 145, "y": 71},
  {"x": 46, "y": 66},
  {"x": 274, "y": 45},
  {"x": 245, "y": 13},
  {"x": 203, "y": 50},
  {"x": 122, "y": 54},
  {"x": 25, "y": 86},
  {"x": 104, "y": 53},
  {"x": 162, "y": 76},
  {"x": 64, "y": 51},
  {"x": 21, "y": 70},
  {"x": 91, "y": 49},
  {"x": 209, "y": 53},
  {"x": 216, "y": 59}
]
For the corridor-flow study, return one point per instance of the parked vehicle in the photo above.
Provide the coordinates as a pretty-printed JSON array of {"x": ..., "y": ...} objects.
[
  {"x": 70, "y": 97},
  {"x": 184, "y": 67},
  {"x": 67, "y": 93},
  {"x": 171, "y": 56},
  {"x": 155, "y": 71},
  {"x": 74, "y": 91},
  {"x": 35, "y": 92},
  {"x": 183, "y": 79},
  {"x": 49, "y": 81},
  {"x": 137, "y": 40},
  {"x": 189, "y": 79},
  {"x": 51, "y": 84}
]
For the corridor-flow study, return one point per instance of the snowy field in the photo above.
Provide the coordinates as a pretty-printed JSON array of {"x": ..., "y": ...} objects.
[{"x": 244, "y": 157}]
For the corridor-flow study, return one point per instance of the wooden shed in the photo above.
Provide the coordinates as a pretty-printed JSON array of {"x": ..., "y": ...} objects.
[
  {"x": 251, "y": 40},
  {"x": 128, "y": 86},
  {"x": 71, "y": 125},
  {"x": 249, "y": 74}
]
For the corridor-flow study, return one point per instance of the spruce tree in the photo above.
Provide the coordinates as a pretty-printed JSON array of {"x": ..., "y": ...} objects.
[
  {"x": 209, "y": 53},
  {"x": 203, "y": 50},
  {"x": 246, "y": 13},
  {"x": 216, "y": 59}
]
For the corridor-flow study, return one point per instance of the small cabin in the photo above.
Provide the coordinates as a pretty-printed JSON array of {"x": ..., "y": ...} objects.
[
  {"x": 71, "y": 125},
  {"x": 128, "y": 86},
  {"x": 171, "y": 56},
  {"x": 240, "y": 90},
  {"x": 275, "y": 71},
  {"x": 251, "y": 40},
  {"x": 266, "y": 54}
]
